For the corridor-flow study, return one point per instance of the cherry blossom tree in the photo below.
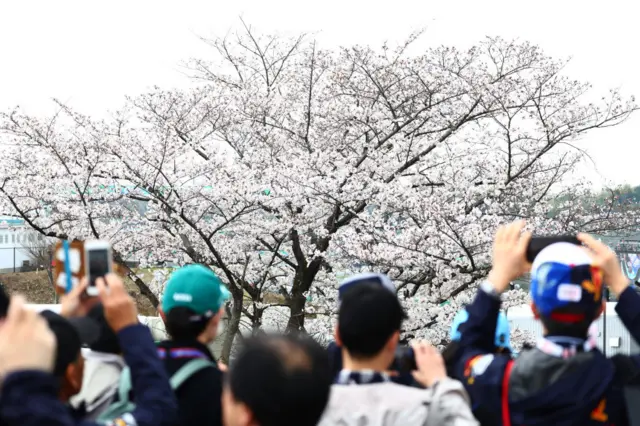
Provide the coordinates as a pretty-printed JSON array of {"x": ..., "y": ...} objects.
[{"x": 289, "y": 164}]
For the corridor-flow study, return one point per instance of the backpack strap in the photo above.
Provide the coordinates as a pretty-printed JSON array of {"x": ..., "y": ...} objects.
[
  {"x": 506, "y": 414},
  {"x": 188, "y": 370},
  {"x": 178, "y": 378}
]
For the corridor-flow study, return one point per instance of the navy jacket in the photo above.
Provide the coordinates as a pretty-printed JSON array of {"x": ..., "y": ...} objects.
[
  {"x": 31, "y": 397},
  {"x": 200, "y": 397},
  {"x": 541, "y": 389}
]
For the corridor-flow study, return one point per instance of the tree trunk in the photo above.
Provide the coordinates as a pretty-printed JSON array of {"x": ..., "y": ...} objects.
[
  {"x": 233, "y": 325},
  {"x": 123, "y": 269},
  {"x": 296, "y": 317},
  {"x": 145, "y": 290}
]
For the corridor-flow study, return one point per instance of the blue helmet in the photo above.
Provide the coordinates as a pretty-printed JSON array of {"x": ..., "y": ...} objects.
[{"x": 502, "y": 329}]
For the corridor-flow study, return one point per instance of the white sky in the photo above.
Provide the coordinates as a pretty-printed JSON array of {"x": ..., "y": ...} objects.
[{"x": 92, "y": 53}]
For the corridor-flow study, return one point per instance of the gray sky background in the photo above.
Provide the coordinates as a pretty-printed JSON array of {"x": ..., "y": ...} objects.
[{"x": 93, "y": 53}]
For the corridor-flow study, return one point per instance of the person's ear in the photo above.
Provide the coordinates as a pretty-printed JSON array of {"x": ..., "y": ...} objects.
[
  {"x": 534, "y": 309},
  {"x": 235, "y": 413},
  {"x": 218, "y": 317},
  {"x": 73, "y": 376},
  {"x": 245, "y": 416},
  {"x": 392, "y": 343},
  {"x": 336, "y": 336}
]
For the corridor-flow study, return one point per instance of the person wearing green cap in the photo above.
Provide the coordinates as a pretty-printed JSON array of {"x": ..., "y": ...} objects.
[{"x": 192, "y": 308}]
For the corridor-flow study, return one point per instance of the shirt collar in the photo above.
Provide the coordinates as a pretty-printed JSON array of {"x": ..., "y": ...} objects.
[
  {"x": 564, "y": 347},
  {"x": 361, "y": 377}
]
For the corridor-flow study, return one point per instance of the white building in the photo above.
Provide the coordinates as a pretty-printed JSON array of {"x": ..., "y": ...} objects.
[{"x": 17, "y": 242}]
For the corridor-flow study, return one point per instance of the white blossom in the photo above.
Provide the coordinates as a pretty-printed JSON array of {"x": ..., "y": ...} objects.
[{"x": 289, "y": 165}]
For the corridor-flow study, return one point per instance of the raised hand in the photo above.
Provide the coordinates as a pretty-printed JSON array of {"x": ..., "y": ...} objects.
[
  {"x": 26, "y": 342},
  {"x": 606, "y": 259},
  {"x": 430, "y": 364},
  {"x": 509, "y": 255},
  {"x": 120, "y": 309}
]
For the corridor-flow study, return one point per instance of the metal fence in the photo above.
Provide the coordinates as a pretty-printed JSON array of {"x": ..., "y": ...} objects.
[{"x": 25, "y": 259}]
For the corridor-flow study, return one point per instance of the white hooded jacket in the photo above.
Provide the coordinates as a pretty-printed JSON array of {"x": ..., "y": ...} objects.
[
  {"x": 99, "y": 383},
  {"x": 392, "y": 404}
]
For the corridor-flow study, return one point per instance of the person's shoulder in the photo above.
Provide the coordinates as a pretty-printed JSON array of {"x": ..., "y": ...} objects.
[
  {"x": 209, "y": 379},
  {"x": 348, "y": 403},
  {"x": 374, "y": 393}
]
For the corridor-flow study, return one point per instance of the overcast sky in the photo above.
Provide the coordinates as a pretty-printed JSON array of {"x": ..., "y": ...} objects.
[{"x": 91, "y": 53}]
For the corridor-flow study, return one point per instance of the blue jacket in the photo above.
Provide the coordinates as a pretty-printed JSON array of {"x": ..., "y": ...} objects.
[
  {"x": 31, "y": 397},
  {"x": 585, "y": 389}
]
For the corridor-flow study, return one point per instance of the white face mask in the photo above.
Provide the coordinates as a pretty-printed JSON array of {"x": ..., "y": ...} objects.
[{"x": 220, "y": 328}]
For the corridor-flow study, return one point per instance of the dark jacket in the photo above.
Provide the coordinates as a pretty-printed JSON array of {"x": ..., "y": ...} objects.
[
  {"x": 542, "y": 389},
  {"x": 31, "y": 397},
  {"x": 199, "y": 398}
]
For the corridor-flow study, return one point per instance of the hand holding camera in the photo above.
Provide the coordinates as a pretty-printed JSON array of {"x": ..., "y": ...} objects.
[{"x": 430, "y": 364}]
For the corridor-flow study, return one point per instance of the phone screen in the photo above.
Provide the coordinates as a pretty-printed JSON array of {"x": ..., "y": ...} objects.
[{"x": 98, "y": 265}]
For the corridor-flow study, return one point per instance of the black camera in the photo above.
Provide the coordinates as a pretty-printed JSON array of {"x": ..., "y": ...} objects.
[{"x": 404, "y": 361}]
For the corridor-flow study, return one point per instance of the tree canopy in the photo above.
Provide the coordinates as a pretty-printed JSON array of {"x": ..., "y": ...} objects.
[{"x": 289, "y": 163}]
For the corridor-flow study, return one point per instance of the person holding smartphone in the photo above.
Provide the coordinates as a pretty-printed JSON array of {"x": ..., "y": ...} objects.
[
  {"x": 565, "y": 379},
  {"x": 42, "y": 367}
]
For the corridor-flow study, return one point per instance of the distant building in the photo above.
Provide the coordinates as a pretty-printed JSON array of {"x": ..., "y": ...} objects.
[{"x": 17, "y": 242}]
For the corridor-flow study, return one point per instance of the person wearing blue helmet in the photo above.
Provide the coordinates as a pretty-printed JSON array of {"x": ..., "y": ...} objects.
[
  {"x": 502, "y": 340},
  {"x": 502, "y": 345}
]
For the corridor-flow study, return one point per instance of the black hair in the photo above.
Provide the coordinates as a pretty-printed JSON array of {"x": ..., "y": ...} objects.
[
  {"x": 184, "y": 324},
  {"x": 68, "y": 342},
  {"x": 577, "y": 328},
  {"x": 367, "y": 318},
  {"x": 283, "y": 379},
  {"x": 4, "y": 302}
]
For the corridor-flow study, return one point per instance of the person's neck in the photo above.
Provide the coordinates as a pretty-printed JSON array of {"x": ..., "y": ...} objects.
[
  {"x": 563, "y": 337},
  {"x": 378, "y": 363}
]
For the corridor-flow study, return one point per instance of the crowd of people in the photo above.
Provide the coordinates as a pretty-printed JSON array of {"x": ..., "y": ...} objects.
[{"x": 94, "y": 364}]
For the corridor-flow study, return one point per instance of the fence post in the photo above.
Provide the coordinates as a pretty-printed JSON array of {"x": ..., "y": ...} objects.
[{"x": 14, "y": 259}]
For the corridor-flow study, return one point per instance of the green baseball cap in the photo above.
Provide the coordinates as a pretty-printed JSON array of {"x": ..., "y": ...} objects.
[{"x": 195, "y": 287}]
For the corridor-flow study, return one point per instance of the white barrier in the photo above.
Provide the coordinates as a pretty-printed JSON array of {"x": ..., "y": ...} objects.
[
  {"x": 155, "y": 324},
  {"x": 612, "y": 336}
]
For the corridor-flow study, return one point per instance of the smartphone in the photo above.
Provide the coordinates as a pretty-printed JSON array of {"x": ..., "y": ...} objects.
[
  {"x": 99, "y": 263},
  {"x": 537, "y": 244}
]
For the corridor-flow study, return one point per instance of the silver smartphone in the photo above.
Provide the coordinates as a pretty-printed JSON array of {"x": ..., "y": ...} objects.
[{"x": 99, "y": 263}]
